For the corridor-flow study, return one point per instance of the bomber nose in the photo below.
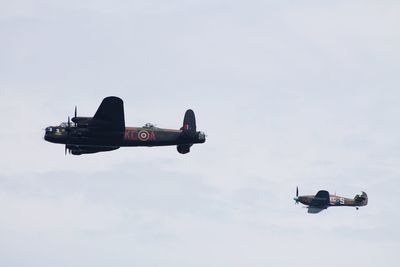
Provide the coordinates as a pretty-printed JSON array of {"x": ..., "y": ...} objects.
[
  {"x": 46, "y": 136},
  {"x": 47, "y": 133}
]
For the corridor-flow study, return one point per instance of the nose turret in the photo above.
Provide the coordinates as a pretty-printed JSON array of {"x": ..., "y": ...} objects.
[
  {"x": 48, "y": 133},
  {"x": 54, "y": 134}
]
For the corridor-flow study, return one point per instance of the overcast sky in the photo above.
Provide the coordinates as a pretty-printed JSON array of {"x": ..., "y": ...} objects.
[{"x": 290, "y": 93}]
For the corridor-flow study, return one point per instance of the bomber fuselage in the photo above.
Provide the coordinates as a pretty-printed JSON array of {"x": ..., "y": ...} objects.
[{"x": 131, "y": 136}]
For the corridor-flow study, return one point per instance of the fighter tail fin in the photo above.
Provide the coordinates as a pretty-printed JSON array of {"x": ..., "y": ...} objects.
[{"x": 361, "y": 199}]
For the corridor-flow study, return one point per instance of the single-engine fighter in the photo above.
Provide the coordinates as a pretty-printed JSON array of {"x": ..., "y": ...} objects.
[
  {"x": 106, "y": 131},
  {"x": 322, "y": 200}
]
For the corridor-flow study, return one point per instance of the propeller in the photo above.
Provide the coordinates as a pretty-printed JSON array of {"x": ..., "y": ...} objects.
[
  {"x": 68, "y": 128},
  {"x": 296, "y": 199},
  {"x": 67, "y": 149},
  {"x": 75, "y": 115}
]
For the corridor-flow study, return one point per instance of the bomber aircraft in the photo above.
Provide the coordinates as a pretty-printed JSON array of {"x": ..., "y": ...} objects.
[
  {"x": 106, "y": 131},
  {"x": 322, "y": 200}
]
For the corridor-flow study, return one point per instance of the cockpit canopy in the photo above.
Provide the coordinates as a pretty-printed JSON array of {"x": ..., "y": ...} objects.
[
  {"x": 65, "y": 124},
  {"x": 149, "y": 125}
]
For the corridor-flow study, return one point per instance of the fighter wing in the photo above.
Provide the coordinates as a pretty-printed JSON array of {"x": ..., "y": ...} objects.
[
  {"x": 109, "y": 115},
  {"x": 320, "y": 200}
]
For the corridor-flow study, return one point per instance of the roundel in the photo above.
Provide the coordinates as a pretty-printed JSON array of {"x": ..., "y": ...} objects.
[{"x": 143, "y": 135}]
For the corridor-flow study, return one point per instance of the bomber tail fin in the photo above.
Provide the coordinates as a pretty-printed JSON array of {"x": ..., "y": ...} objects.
[
  {"x": 189, "y": 123},
  {"x": 188, "y": 131},
  {"x": 189, "y": 134}
]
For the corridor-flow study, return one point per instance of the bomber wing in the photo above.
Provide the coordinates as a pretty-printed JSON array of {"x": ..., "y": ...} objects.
[
  {"x": 109, "y": 115},
  {"x": 320, "y": 200}
]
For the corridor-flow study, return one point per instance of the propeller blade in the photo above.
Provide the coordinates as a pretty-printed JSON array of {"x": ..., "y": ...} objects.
[
  {"x": 296, "y": 199},
  {"x": 68, "y": 128},
  {"x": 65, "y": 151},
  {"x": 75, "y": 115}
]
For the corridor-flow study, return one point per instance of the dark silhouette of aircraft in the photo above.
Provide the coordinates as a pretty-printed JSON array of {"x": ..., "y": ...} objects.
[
  {"x": 322, "y": 200},
  {"x": 106, "y": 131}
]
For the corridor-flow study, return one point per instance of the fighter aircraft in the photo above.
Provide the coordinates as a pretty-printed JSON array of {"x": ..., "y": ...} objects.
[
  {"x": 106, "y": 131},
  {"x": 322, "y": 200}
]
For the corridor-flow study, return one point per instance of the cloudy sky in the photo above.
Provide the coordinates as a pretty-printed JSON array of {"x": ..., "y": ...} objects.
[{"x": 289, "y": 93}]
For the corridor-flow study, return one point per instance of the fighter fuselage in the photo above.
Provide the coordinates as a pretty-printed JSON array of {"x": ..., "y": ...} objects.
[{"x": 334, "y": 200}]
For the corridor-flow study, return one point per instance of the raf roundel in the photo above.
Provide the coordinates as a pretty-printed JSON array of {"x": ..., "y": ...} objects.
[{"x": 143, "y": 135}]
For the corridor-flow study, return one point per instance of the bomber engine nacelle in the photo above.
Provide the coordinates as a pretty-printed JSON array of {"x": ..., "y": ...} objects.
[{"x": 79, "y": 150}]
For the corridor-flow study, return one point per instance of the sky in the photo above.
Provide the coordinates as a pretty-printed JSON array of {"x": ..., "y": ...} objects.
[{"x": 289, "y": 93}]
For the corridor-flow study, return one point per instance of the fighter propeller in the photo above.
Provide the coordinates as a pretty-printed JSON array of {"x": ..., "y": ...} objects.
[{"x": 296, "y": 199}]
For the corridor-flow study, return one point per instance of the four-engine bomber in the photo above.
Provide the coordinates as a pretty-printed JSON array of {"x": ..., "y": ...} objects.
[{"x": 106, "y": 131}]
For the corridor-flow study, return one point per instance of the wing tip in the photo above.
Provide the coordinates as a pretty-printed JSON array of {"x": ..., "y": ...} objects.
[{"x": 113, "y": 98}]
